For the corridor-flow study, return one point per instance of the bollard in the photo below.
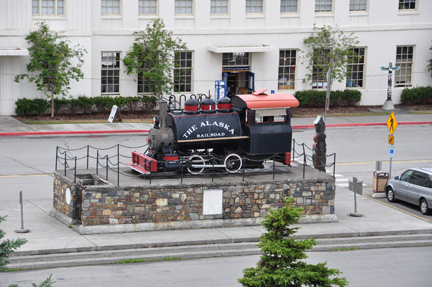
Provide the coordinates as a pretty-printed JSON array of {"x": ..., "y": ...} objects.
[
  {"x": 22, "y": 230},
  {"x": 354, "y": 189}
]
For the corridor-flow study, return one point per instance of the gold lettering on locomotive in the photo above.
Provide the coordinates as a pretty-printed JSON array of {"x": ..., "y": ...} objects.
[{"x": 208, "y": 124}]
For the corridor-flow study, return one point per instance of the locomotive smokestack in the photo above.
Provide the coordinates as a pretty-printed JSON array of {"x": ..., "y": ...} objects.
[{"x": 163, "y": 107}]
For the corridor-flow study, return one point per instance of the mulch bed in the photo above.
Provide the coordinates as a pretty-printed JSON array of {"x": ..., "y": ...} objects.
[{"x": 297, "y": 112}]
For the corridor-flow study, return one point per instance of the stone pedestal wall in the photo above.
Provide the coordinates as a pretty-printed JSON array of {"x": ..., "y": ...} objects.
[{"x": 164, "y": 203}]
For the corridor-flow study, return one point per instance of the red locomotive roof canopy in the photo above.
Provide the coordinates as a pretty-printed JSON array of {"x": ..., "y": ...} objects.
[{"x": 260, "y": 100}]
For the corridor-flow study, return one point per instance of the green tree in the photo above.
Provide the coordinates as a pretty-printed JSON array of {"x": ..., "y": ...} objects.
[
  {"x": 327, "y": 48},
  {"x": 8, "y": 246},
  {"x": 151, "y": 57},
  {"x": 282, "y": 263},
  {"x": 50, "y": 64},
  {"x": 429, "y": 66}
]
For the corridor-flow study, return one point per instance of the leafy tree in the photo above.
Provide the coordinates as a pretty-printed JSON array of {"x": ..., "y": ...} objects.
[
  {"x": 282, "y": 263},
  {"x": 429, "y": 66},
  {"x": 151, "y": 57},
  {"x": 8, "y": 246},
  {"x": 51, "y": 63},
  {"x": 328, "y": 47}
]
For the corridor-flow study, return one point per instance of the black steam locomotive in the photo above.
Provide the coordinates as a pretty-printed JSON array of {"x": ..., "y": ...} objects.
[{"x": 240, "y": 130}]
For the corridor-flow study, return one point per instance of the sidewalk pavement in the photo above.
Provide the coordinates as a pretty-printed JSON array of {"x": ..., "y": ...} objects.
[{"x": 12, "y": 127}]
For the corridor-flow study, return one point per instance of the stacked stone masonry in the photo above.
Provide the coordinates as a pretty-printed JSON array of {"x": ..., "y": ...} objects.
[{"x": 103, "y": 205}]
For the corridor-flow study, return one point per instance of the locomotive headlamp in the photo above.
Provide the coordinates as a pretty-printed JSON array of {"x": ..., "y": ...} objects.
[{"x": 156, "y": 122}]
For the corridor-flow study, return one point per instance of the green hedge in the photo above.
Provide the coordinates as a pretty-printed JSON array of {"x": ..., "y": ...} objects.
[
  {"x": 417, "y": 96},
  {"x": 316, "y": 99},
  {"x": 85, "y": 105}
]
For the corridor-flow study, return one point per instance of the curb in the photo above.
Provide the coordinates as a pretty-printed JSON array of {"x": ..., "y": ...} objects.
[{"x": 296, "y": 127}]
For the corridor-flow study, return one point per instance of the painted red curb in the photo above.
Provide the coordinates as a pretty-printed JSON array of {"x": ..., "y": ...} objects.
[
  {"x": 73, "y": 133},
  {"x": 296, "y": 127},
  {"x": 358, "y": 125}
]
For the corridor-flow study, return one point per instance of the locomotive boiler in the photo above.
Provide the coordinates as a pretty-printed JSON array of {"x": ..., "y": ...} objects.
[{"x": 237, "y": 131}]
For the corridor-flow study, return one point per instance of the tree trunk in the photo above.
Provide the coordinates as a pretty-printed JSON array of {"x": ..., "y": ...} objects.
[{"x": 52, "y": 105}]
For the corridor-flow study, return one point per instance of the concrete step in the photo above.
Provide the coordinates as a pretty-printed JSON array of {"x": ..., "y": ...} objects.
[{"x": 207, "y": 251}]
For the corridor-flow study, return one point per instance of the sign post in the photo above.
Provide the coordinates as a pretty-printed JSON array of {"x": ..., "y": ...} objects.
[
  {"x": 392, "y": 125},
  {"x": 388, "y": 105}
]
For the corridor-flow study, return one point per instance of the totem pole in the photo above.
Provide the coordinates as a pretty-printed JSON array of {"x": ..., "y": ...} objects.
[{"x": 319, "y": 147}]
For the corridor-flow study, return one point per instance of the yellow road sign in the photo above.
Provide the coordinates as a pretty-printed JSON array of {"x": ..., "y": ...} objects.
[
  {"x": 391, "y": 140},
  {"x": 391, "y": 123}
]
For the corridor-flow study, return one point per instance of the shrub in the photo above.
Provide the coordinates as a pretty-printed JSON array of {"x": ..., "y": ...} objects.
[
  {"x": 316, "y": 99},
  {"x": 417, "y": 96},
  {"x": 61, "y": 105},
  {"x": 26, "y": 107},
  {"x": 86, "y": 104}
]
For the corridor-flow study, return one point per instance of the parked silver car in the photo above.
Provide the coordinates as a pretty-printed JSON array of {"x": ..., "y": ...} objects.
[{"x": 413, "y": 186}]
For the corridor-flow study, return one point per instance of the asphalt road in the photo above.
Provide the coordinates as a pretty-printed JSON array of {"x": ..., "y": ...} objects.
[
  {"x": 27, "y": 162},
  {"x": 378, "y": 267}
]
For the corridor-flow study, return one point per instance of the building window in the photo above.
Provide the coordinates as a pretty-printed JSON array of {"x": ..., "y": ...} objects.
[
  {"x": 357, "y": 60},
  {"x": 407, "y": 4},
  {"x": 319, "y": 73},
  {"x": 110, "y": 7},
  {"x": 183, "y": 6},
  {"x": 147, "y": 7},
  {"x": 358, "y": 5},
  {"x": 287, "y": 67},
  {"x": 183, "y": 72},
  {"x": 110, "y": 71},
  {"x": 48, "y": 7},
  {"x": 404, "y": 59},
  {"x": 254, "y": 6},
  {"x": 323, "y": 5},
  {"x": 237, "y": 59},
  {"x": 219, "y": 7},
  {"x": 288, "y": 6}
]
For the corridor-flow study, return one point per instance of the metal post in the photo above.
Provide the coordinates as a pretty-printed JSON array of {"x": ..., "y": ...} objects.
[
  {"x": 293, "y": 149},
  {"x": 334, "y": 165},
  {"x": 304, "y": 165},
  {"x": 65, "y": 163},
  {"x": 243, "y": 162},
  {"x": 390, "y": 168},
  {"x": 378, "y": 165},
  {"x": 56, "y": 158},
  {"x": 212, "y": 169},
  {"x": 181, "y": 171},
  {"x": 107, "y": 167},
  {"x": 304, "y": 153},
  {"x": 87, "y": 156},
  {"x": 274, "y": 157},
  {"x": 118, "y": 165},
  {"x": 75, "y": 169},
  {"x": 97, "y": 162},
  {"x": 22, "y": 230},
  {"x": 355, "y": 194}
]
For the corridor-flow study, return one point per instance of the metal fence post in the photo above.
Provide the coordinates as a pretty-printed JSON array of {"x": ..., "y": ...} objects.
[
  {"x": 75, "y": 169},
  {"x": 118, "y": 165},
  {"x": 97, "y": 162},
  {"x": 243, "y": 162},
  {"x": 65, "y": 163},
  {"x": 88, "y": 156},
  {"x": 107, "y": 167},
  {"x": 56, "y": 158},
  {"x": 274, "y": 157},
  {"x": 181, "y": 171},
  {"x": 304, "y": 164},
  {"x": 293, "y": 149}
]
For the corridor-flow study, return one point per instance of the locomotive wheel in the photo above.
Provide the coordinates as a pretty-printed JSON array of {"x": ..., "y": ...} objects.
[
  {"x": 233, "y": 163},
  {"x": 196, "y": 159}
]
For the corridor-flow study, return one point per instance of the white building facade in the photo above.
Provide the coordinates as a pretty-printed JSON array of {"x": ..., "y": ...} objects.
[{"x": 251, "y": 44}]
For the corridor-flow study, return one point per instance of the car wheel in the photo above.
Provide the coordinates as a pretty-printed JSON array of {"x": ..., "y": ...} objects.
[
  {"x": 424, "y": 208},
  {"x": 390, "y": 195}
]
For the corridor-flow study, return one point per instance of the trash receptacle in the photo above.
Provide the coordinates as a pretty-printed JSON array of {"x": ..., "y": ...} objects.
[{"x": 380, "y": 180}]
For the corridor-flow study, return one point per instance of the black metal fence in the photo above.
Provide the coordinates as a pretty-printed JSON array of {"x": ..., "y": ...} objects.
[{"x": 104, "y": 160}]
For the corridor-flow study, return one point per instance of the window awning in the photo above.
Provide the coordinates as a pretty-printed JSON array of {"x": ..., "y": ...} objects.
[
  {"x": 240, "y": 49},
  {"x": 14, "y": 52}
]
